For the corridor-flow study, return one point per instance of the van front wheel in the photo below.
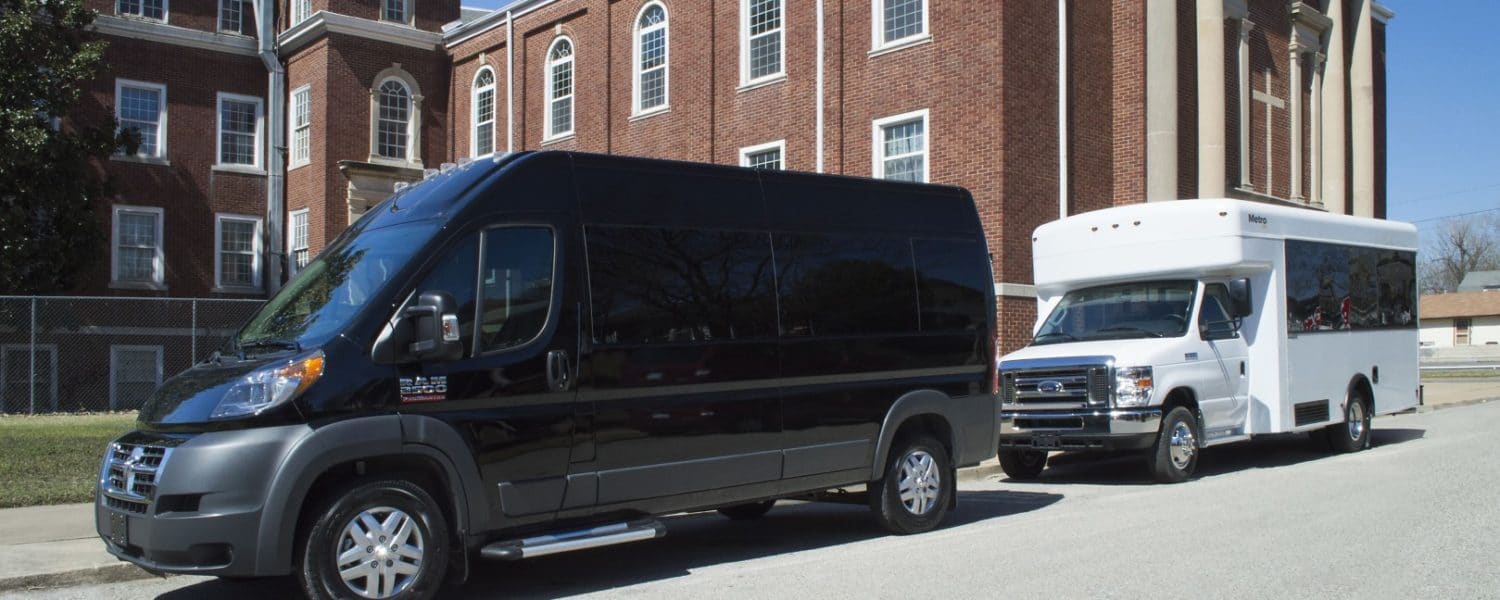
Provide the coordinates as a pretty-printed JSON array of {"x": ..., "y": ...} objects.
[
  {"x": 1023, "y": 465},
  {"x": 1175, "y": 455},
  {"x": 918, "y": 485},
  {"x": 377, "y": 539}
]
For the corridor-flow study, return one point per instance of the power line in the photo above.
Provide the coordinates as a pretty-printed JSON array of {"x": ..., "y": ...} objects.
[
  {"x": 1447, "y": 194},
  {"x": 1455, "y": 215}
]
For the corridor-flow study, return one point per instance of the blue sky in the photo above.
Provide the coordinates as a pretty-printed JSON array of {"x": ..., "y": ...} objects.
[{"x": 1443, "y": 106}]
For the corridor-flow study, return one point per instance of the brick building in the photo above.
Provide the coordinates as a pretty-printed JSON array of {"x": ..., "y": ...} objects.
[{"x": 271, "y": 125}]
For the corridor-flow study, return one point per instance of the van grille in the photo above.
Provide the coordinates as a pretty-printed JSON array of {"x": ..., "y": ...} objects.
[
  {"x": 128, "y": 478},
  {"x": 1079, "y": 386}
]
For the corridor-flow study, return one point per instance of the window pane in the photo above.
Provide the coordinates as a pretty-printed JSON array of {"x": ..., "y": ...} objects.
[
  {"x": 137, "y": 229},
  {"x": 653, "y": 88},
  {"x": 653, "y": 48},
  {"x": 904, "y": 146},
  {"x": 135, "y": 376},
  {"x": 952, "y": 278},
  {"x": 393, "y": 120},
  {"x": 238, "y": 236},
  {"x": 516, "y": 280},
  {"x": 818, "y": 275},
  {"x": 456, "y": 274},
  {"x": 767, "y": 159},
  {"x": 654, "y": 285},
  {"x": 395, "y": 10},
  {"x": 903, "y": 18},
  {"x": 562, "y": 116},
  {"x": 140, "y": 109},
  {"x": 765, "y": 15},
  {"x": 1317, "y": 285},
  {"x": 765, "y": 55},
  {"x": 137, "y": 264},
  {"x": 230, "y": 15},
  {"x": 237, "y": 126},
  {"x": 1397, "y": 286}
]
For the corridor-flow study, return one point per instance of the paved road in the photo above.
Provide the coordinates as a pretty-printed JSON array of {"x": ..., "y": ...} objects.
[{"x": 1416, "y": 516}]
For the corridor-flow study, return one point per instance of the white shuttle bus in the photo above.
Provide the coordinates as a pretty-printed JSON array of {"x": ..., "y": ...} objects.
[{"x": 1168, "y": 327}]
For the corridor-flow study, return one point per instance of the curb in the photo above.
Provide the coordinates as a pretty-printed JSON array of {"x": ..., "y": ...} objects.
[
  {"x": 1471, "y": 402},
  {"x": 90, "y": 576}
]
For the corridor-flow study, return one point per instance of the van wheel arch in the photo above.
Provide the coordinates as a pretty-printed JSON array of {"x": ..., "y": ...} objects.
[
  {"x": 1361, "y": 385},
  {"x": 1186, "y": 398},
  {"x": 916, "y": 412}
]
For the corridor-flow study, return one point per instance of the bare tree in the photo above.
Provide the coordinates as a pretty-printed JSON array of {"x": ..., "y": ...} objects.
[{"x": 1457, "y": 247}]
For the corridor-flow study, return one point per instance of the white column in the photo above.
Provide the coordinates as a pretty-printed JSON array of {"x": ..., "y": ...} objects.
[
  {"x": 1244, "y": 94},
  {"x": 1333, "y": 143},
  {"x": 510, "y": 84},
  {"x": 1295, "y": 98},
  {"x": 1210, "y": 38},
  {"x": 1315, "y": 128},
  {"x": 1161, "y": 100},
  {"x": 1362, "y": 112}
]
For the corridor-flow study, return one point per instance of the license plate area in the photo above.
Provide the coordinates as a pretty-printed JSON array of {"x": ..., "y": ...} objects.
[
  {"x": 1046, "y": 441},
  {"x": 119, "y": 529}
]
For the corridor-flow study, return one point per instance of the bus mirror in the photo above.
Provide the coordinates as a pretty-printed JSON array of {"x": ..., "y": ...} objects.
[{"x": 1239, "y": 298}]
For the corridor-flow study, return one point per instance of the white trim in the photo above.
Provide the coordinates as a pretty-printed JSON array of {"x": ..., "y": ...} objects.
[
  {"x": 779, "y": 146},
  {"x": 153, "y": 31},
  {"x": 291, "y": 126},
  {"x": 114, "y": 367},
  {"x": 295, "y": 16},
  {"x": 323, "y": 22},
  {"x": 219, "y": 21},
  {"x": 1381, "y": 13},
  {"x": 746, "y": 81},
  {"x": 474, "y": 92},
  {"x": 477, "y": 27},
  {"x": 1015, "y": 290},
  {"x": 408, "y": 14},
  {"x": 255, "y": 252},
  {"x": 548, "y": 135},
  {"x": 161, "y": 114},
  {"x": 49, "y": 349},
  {"x": 256, "y": 164},
  {"x": 877, "y": 29},
  {"x": 291, "y": 238},
  {"x": 635, "y": 63},
  {"x": 158, "y": 267},
  {"x": 411, "y": 120},
  {"x": 762, "y": 83},
  {"x": 877, "y": 142},
  {"x": 166, "y": 12}
]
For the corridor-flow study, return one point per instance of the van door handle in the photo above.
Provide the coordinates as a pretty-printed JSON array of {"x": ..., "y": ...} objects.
[
  {"x": 1242, "y": 367},
  {"x": 559, "y": 372}
]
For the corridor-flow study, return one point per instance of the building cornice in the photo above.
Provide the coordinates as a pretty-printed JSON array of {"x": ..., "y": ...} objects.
[
  {"x": 172, "y": 34},
  {"x": 1307, "y": 15},
  {"x": 1382, "y": 13},
  {"x": 472, "y": 29},
  {"x": 323, "y": 23}
]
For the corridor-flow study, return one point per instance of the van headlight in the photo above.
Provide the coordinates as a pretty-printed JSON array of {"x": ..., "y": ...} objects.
[
  {"x": 1132, "y": 386},
  {"x": 270, "y": 386}
]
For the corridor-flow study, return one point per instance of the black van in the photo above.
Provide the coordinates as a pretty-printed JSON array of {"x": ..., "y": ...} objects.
[{"x": 540, "y": 352}]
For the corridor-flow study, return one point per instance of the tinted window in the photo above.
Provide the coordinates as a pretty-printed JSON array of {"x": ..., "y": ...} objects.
[
  {"x": 951, "y": 281},
  {"x": 1317, "y": 285},
  {"x": 1396, "y": 287},
  {"x": 1215, "y": 298},
  {"x": 1335, "y": 287},
  {"x": 845, "y": 286},
  {"x": 515, "y": 286},
  {"x": 455, "y": 274},
  {"x": 656, "y": 285}
]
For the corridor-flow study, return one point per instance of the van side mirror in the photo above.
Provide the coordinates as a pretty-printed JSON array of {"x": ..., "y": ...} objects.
[
  {"x": 434, "y": 326},
  {"x": 1239, "y": 298}
]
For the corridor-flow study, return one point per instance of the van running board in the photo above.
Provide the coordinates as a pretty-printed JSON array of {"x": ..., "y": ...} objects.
[{"x": 582, "y": 539}]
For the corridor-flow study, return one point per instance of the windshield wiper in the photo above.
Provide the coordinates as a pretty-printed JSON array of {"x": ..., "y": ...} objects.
[
  {"x": 268, "y": 343},
  {"x": 1131, "y": 328},
  {"x": 1039, "y": 337}
]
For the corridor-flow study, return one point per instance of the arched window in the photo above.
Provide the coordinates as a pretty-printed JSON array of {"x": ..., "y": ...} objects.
[
  {"x": 560, "y": 89},
  {"x": 651, "y": 55},
  {"x": 393, "y": 120},
  {"x": 483, "y": 140}
]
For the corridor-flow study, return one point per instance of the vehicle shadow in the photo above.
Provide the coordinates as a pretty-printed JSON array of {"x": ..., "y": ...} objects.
[
  {"x": 1261, "y": 453},
  {"x": 693, "y": 541}
]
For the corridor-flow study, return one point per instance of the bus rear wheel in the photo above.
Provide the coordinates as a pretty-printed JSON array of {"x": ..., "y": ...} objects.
[{"x": 1353, "y": 434}]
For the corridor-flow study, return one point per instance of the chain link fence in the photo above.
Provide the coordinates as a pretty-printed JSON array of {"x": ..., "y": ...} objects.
[{"x": 73, "y": 354}]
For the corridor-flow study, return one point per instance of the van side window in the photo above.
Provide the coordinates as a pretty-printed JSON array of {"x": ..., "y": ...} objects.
[
  {"x": 455, "y": 274},
  {"x": 818, "y": 275},
  {"x": 1215, "y": 298},
  {"x": 515, "y": 281},
  {"x": 654, "y": 285},
  {"x": 951, "y": 279}
]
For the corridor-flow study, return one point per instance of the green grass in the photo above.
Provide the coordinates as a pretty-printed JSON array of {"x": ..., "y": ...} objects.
[
  {"x": 54, "y": 459},
  {"x": 1460, "y": 374}
]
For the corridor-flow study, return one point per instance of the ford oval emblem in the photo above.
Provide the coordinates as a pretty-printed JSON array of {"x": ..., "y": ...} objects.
[{"x": 1050, "y": 387}]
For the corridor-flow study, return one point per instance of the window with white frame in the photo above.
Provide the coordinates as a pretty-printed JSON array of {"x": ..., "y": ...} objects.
[
  {"x": 393, "y": 120},
  {"x": 155, "y": 10},
  {"x": 560, "y": 88},
  {"x": 137, "y": 246},
  {"x": 899, "y": 21},
  {"x": 301, "y": 124},
  {"x": 297, "y": 241},
  {"x": 761, "y": 37},
  {"x": 483, "y": 102},
  {"x": 239, "y": 130},
  {"x": 651, "y": 53},
  {"x": 142, "y": 107},
  {"x": 764, "y": 156},
  {"x": 301, "y": 10},
  {"x": 395, "y": 11},
  {"x": 237, "y": 252},
  {"x": 134, "y": 373},
  {"x": 231, "y": 16},
  {"x": 901, "y": 147}
]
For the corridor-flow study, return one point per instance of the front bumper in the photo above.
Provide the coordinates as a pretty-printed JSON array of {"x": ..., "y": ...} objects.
[{"x": 1079, "y": 429}]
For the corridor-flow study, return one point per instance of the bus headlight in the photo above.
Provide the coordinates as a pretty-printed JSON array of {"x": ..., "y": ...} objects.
[{"x": 1132, "y": 386}]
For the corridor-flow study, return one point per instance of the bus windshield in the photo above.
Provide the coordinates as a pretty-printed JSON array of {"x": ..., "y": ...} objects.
[{"x": 1149, "y": 309}]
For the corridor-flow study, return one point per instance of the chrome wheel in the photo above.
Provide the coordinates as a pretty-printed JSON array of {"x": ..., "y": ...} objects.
[
  {"x": 1182, "y": 445},
  {"x": 1356, "y": 419},
  {"x": 919, "y": 483},
  {"x": 380, "y": 552}
]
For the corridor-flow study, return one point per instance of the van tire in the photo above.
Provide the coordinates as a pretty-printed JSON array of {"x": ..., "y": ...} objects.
[
  {"x": 1352, "y": 433},
  {"x": 1174, "y": 457},
  {"x": 1023, "y": 465},
  {"x": 747, "y": 512},
  {"x": 919, "y": 460},
  {"x": 381, "y": 500}
]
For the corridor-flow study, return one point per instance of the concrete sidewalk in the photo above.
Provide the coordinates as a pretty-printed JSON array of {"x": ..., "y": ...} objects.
[{"x": 56, "y": 546}]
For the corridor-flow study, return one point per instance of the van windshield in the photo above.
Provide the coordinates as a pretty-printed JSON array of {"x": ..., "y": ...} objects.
[
  {"x": 1149, "y": 309},
  {"x": 317, "y": 303}
]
